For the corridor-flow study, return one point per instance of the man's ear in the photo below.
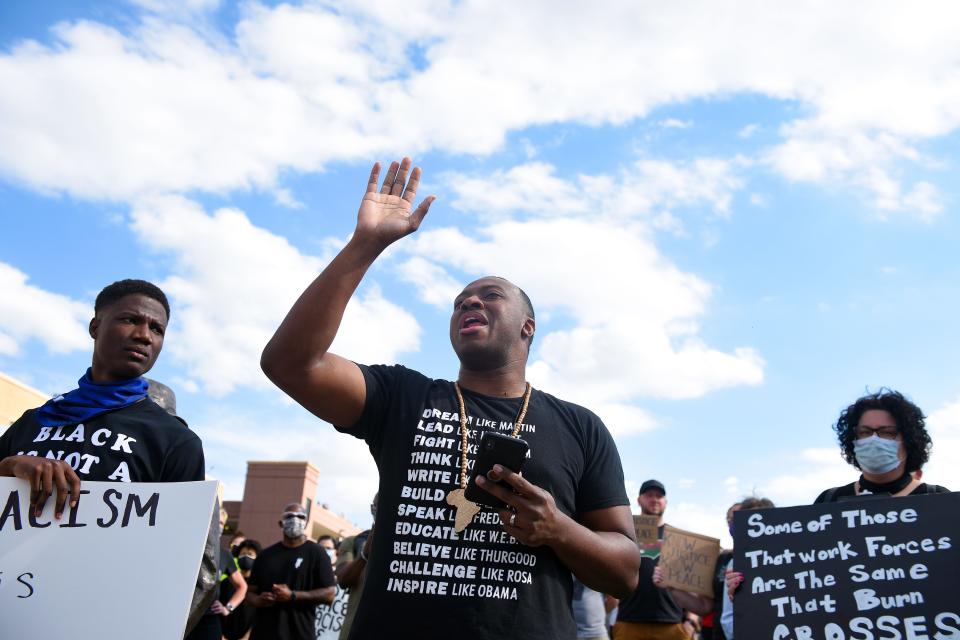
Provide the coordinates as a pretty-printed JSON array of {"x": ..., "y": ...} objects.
[
  {"x": 94, "y": 325},
  {"x": 529, "y": 328}
]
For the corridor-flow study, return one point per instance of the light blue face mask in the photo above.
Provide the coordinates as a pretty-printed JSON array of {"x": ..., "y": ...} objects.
[{"x": 877, "y": 455}]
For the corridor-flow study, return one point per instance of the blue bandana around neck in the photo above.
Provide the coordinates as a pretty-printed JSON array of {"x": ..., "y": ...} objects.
[{"x": 90, "y": 400}]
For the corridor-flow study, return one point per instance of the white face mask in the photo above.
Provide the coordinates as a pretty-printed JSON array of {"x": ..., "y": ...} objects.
[
  {"x": 877, "y": 455},
  {"x": 293, "y": 527},
  {"x": 332, "y": 553}
]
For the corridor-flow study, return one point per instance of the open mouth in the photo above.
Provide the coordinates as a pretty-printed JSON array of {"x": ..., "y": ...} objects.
[{"x": 471, "y": 323}]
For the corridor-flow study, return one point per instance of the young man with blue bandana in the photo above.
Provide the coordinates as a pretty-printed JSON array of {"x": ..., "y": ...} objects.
[{"x": 107, "y": 429}]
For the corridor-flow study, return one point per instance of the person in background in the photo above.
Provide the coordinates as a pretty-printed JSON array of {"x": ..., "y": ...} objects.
[
  {"x": 235, "y": 541},
  {"x": 233, "y": 589},
  {"x": 590, "y": 612},
  {"x": 329, "y": 544},
  {"x": 734, "y": 578},
  {"x": 288, "y": 581},
  {"x": 650, "y": 613},
  {"x": 351, "y": 568},
  {"x": 884, "y": 435},
  {"x": 237, "y": 625}
]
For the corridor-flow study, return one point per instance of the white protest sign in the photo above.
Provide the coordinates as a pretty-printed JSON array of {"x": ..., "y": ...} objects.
[
  {"x": 330, "y": 616},
  {"x": 123, "y": 564}
]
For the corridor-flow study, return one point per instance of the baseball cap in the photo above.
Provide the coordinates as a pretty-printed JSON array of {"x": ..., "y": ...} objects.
[{"x": 653, "y": 484}]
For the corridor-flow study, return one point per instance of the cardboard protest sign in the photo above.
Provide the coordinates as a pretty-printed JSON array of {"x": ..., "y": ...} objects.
[
  {"x": 646, "y": 529},
  {"x": 122, "y": 564},
  {"x": 688, "y": 560},
  {"x": 850, "y": 570}
]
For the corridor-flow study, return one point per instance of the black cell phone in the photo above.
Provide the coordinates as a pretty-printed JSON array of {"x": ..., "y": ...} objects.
[{"x": 495, "y": 448}]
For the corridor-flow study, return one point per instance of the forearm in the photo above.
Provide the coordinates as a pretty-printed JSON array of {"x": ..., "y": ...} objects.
[
  {"x": 239, "y": 594},
  {"x": 605, "y": 561},
  {"x": 323, "y": 595},
  {"x": 305, "y": 335},
  {"x": 254, "y": 599},
  {"x": 700, "y": 605},
  {"x": 348, "y": 575}
]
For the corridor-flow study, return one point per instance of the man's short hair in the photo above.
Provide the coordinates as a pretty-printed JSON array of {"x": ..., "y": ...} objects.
[{"x": 122, "y": 288}]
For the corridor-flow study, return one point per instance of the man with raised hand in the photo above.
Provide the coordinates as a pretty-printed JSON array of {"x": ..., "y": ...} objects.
[{"x": 439, "y": 565}]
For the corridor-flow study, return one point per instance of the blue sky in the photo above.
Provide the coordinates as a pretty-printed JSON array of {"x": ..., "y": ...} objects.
[{"x": 732, "y": 220}]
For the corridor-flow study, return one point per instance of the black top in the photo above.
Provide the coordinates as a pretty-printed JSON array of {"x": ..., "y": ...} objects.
[
  {"x": 650, "y": 603},
  {"x": 138, "y": 443},
  {"x": 302, "y": 568},
  {"x": 426, "y": 581},
  {"x": 848, "y": 492}
]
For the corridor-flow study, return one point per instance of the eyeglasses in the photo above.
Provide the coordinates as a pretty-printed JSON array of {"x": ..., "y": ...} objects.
[
  {"x": 887, "y": 433},
  {"x": 294, "y": 514}
]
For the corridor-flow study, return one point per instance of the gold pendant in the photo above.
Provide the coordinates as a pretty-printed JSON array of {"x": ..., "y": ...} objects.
[{"x": 465, "y": 509}]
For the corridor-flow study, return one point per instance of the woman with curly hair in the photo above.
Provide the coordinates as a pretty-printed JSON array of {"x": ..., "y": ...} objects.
[{"x": 885, "y": 436}]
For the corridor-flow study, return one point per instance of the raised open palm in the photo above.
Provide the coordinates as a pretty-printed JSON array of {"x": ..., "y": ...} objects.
[{"x": 385, "y": 215}]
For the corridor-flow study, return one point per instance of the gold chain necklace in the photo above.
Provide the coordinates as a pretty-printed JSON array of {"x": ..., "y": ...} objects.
[{"x": 466, "y": 509}]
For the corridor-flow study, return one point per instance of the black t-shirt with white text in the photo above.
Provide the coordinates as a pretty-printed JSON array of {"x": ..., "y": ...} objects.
[
  {"x": 650, "y": 603},
  {"x": 423, "y": 579},
  {"x": 302, "y": 568},
  {"x": 137, "y": 443}
]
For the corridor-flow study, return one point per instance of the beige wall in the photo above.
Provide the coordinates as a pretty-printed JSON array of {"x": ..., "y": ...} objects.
[
  {"x": 269, "y": 487},
  {"x": 15, "y": 398}
]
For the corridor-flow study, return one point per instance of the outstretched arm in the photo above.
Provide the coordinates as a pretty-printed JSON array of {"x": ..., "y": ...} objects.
[
  {"x": 599, "y": 548},
  {"x": 296, "y": 358}
]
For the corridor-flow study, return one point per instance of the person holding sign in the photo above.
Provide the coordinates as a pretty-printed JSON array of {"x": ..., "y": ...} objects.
[
  {"x": 884, "y": 435},
  {"x": 108, "y": 429},
  {"x": 650, "y": 612},
  {"x": 440, "y": 564}
]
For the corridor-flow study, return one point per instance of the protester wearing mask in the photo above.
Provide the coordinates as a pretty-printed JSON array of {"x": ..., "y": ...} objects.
[
  {"x": 288, "y": 581},
  {"x": 329, "y": 544},
  {"x": 247, "y": 552},
  {"x": 238, "y": 623},
  {"x": 885, "y": 436}
]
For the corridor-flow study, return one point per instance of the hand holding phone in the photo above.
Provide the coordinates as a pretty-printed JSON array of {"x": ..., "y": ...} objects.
[{"x": 495, "y": 448}]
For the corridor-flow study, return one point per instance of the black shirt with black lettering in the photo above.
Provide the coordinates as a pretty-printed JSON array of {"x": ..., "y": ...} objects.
[{"x": 137, "y": 443}]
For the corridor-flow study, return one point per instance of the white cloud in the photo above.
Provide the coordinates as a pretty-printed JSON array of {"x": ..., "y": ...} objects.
[
  {"x": 31, "y": 313},
  {"x": 944, "y": 428},
  {"x": 296, "y": 87},
  {"x": 232, "y": 283},
  {"x": 813, "y": 471},
  {"x": 674, "y": 123},
  {"x": 643, "y": 188}
]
